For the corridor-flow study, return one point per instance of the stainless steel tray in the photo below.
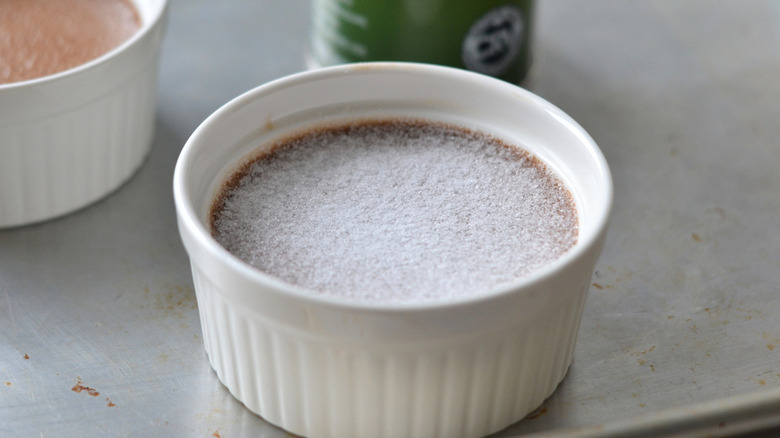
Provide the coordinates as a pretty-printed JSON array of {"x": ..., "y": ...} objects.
[{"x": 99, "y": 331}]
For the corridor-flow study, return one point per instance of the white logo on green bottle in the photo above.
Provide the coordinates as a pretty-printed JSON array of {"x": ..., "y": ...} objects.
[{"x": 493, "y": 42}]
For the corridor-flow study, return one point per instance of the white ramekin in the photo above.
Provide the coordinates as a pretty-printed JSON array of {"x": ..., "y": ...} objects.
[
  {"x": 329, "y": 367},
  {"x": 69, "y": 139}
]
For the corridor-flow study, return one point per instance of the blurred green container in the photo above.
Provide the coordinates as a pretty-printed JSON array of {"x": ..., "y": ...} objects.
[{"x": 492, "y": 37}]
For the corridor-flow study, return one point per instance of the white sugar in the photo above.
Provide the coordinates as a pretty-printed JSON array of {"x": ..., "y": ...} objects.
[{"x": 396, "y": 212}]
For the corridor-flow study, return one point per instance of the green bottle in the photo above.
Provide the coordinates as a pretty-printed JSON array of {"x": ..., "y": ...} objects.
[{"x": 492, "y": 37}]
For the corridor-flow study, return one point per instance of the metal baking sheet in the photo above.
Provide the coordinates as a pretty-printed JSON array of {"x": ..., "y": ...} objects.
[{"x": 99, "y": 331}]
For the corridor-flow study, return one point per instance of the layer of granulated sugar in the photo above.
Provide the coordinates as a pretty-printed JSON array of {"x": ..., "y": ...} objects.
[{"x": 396, "y": 212}]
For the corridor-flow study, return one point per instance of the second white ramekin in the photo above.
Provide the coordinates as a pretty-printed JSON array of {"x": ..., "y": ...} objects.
[{"x": 69, "y": 139}]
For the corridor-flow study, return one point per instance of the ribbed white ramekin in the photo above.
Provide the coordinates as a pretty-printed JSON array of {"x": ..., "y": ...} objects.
[
  {"x": 69, "y": 139},
  {"x": 329, "y": 367}
]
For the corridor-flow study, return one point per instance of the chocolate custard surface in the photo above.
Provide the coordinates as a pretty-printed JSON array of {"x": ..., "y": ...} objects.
[{"x": 42, "y": 37}]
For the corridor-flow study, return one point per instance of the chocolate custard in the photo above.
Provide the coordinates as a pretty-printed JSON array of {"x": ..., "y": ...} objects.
[
  {"x": 43, "y": 37},
  {"x": 395, "y": 211}
]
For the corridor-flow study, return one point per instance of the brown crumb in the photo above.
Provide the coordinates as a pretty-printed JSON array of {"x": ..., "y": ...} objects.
[
  {"x": 79, "y": 387},
  {"x": 109, "y": 403},
  {"x": 26, "y": 357},
  {"x": 8, "y": 383},
  {"x": 537, "y": 414}
]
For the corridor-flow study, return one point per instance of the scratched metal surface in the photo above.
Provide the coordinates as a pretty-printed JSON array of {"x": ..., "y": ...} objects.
[{"x": 99, "y": 331}]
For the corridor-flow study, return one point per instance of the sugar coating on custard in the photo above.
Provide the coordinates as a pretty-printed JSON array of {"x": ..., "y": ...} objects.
[
  {"x": 43, "y": 37},
  {"x": 398, "y": 211}
]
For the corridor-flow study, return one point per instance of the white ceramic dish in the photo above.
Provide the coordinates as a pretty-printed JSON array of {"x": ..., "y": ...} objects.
[
  {"x": 69, "y": 139},
  {"x": 320, "y": 366}
]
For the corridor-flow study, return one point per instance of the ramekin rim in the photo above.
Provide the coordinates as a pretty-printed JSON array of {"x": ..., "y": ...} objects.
[{"x": 189, "y": 217}]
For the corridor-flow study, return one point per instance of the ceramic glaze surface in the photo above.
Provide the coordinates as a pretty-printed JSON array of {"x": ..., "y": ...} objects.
[{"x": 462, "y": 366}]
